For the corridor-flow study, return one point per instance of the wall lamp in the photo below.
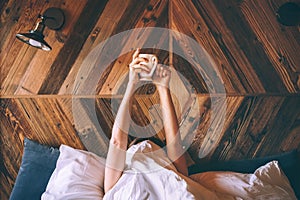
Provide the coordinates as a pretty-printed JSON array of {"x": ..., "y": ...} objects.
[{"x": 53, "y": 18}]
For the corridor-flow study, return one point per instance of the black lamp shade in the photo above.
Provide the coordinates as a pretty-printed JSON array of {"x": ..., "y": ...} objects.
[
  {"x": 53, "y": 18},
  {"x": 35, "y": 39}
]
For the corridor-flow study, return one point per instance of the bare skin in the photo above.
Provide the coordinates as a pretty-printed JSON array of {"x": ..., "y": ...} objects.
[{"x": 118, "y": 143}]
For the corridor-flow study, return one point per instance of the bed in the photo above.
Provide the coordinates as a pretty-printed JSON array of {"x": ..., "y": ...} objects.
[{"x": 40, "y": 163}]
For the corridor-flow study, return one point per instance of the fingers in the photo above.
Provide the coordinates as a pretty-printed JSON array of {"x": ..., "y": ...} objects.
[
  {"x": 136, "y": 54},
  {"x": 138, "y": 60},
  {"x": 139, "y": 68},
  {"x": 138, "y": 63},
  {"x": 162, "y": 71}
]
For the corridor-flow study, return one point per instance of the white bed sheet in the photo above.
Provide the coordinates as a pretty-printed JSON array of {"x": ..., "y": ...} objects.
[{"x": 150, "y": 175}]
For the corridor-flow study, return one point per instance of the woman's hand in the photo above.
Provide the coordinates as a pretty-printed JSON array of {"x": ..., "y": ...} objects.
[
  {"x": 136, "y": 67},
  {"x": 162, "y": 76}
]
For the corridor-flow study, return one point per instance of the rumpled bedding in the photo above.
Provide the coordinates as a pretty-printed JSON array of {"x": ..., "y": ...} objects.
[{"x": 150, "y": 175}]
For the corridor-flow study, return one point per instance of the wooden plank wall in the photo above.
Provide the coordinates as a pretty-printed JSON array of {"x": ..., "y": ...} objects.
[{"x": 255, "y": 59}]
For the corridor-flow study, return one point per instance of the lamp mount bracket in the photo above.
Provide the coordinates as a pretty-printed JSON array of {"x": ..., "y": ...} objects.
[{"x": 54, "y": 18}]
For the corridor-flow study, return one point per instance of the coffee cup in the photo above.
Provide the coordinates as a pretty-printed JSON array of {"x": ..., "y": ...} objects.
[{"x": 151, "y": 64}]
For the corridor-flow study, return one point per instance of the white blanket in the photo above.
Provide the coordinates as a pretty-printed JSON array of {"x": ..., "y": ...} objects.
[{"x": 150, "y": 175}]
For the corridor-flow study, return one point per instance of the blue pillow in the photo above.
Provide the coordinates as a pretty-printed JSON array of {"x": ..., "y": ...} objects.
[{"x": 38, "y": 163}]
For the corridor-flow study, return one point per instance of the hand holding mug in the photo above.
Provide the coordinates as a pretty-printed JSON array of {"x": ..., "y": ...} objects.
[
  {"x": 150, "y": 62},
  {"x": 136, "y": 66}
]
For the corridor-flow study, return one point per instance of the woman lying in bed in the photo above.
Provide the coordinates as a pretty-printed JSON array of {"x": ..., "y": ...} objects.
[
  {"x": 145, "y": 170},
  {"x": 148, "y": 171}
]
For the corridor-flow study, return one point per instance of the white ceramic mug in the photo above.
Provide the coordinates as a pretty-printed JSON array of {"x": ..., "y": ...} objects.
[{"x": 151, "y": 65}]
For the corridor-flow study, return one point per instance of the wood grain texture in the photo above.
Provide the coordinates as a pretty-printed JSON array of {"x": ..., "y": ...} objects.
[
  {"x": 237, "y": 128},
  {"x": 13, "y": 51},
  {"x": 41, "y": 64},
  {"x": 104, "y": 28},
  {"x": 250, "y": 44},
  {"x": 68, "y": 96},
  {"x": 249, "y": 56},
  {"x": 278, "y": 42},
  {"x": 210, "y": 31},
  {"x": 259, "y": 127},
  {"x": 147, "y": 14},
  {"x": 39, "y": 119},
  {"x": 63, "y": 63}
]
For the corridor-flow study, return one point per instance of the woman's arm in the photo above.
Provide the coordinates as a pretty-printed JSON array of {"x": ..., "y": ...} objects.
[
  {"x": 174, "y": 147},
  {"x": 116, "y": 156}
]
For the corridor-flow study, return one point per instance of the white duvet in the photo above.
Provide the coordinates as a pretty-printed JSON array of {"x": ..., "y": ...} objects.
[{"x": 149, "y": 175}]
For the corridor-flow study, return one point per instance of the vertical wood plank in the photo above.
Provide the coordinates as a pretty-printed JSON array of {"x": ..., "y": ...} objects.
[
  {"x": 244, "y": 36},
  {"x": 105, "y": 27},
  {"x": 148, "y": 14},
  {"x": 88, "y": 127},
  {"x": 278, "y": 42},
  {"x": 207, "y": 129},
  {"x": 292, "y": 141},
  {"x": 10, "y": 148},
  {"x": 202, "y": 22},
  {"x": 251, "y": 127},
  {"x": 282, "y": 127},
  {"x": 19, "y": 16},
  {"x": 40, "y": 64},
  {"x": 66, "y": 58}
]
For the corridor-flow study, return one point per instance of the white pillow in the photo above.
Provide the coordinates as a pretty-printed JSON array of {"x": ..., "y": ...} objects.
[
  {"x": 78, "y": 175},
  {"x": 267, "y": 182}
]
